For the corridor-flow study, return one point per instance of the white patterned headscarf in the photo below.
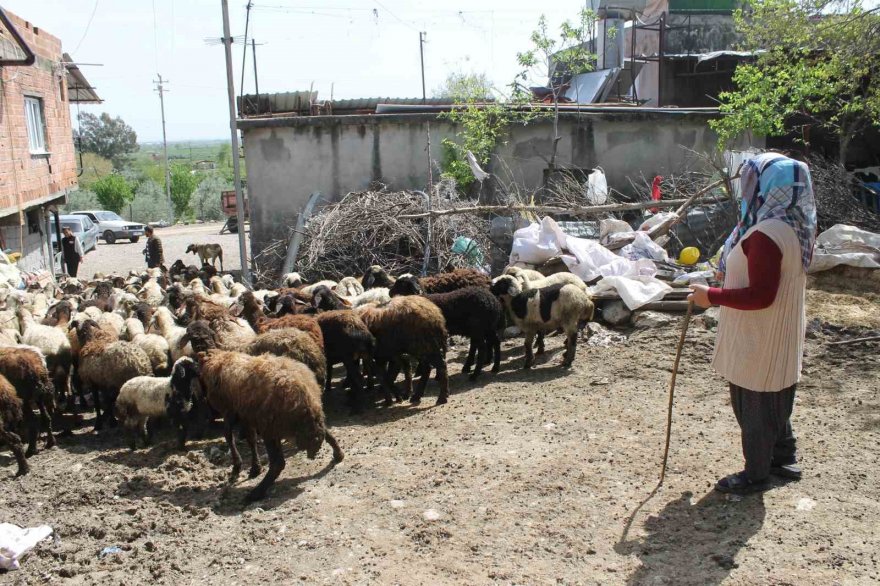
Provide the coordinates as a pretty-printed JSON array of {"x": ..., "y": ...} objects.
[{"x": 775, "y": 187}]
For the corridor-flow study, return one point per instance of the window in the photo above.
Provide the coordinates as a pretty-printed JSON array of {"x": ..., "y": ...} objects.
[{"x": 33, "y": 110}]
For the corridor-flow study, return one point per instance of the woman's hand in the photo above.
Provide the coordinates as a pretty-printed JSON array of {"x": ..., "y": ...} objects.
[{"x": 700, "y": 296}]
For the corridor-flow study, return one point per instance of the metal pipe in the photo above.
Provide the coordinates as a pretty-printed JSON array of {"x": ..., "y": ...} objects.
[
  {"x": 422, "y": 57},
  {"x": 236, "y": 170},
  {"x": 428, "y": 239}
]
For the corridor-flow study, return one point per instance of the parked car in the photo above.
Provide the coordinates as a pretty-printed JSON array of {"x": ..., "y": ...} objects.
[
  {"x": 84, "y": 229},
  {"x": 112, "y": 226}
]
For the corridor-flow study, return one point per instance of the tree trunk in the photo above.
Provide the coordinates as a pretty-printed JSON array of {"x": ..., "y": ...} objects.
[{"x": 556, "y": 137}]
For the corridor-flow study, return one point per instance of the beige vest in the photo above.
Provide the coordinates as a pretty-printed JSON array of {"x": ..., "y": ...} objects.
[{"x": 762, "y": 350}]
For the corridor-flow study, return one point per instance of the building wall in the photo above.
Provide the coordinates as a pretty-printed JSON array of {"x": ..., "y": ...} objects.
[
  {"x": 27, "y": 180},
  {"x": 290, "y": 158}
]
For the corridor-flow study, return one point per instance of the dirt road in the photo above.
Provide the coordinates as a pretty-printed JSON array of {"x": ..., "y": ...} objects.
[
  {"x": 526, "y": 477},
  {"x": 124, "y": 255}
]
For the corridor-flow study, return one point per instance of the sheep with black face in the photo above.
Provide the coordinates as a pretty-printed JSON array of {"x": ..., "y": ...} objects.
[{"x": 544, "y": 310}]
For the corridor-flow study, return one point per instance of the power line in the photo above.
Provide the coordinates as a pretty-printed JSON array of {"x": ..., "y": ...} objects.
[
  {"x": 400, "y": 20},
  {"x": 88, "y": 26}
]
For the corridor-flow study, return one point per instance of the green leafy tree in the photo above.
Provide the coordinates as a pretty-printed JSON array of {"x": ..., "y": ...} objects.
[
  {"x": 224, "y": 156},
  {"x": 553, "y": 59},
  {"x": 819, "y": 60},
  {"x": 183, "y": 183},
  {"x": 113, "y": 192},
  {"x": 108, "y": 137},
  {"x": 465, "y": 87},
  {"x": 94, "y": 167}
]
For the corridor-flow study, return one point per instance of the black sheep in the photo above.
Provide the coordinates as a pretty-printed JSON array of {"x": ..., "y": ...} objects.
[{"x": 471, "y": 311}]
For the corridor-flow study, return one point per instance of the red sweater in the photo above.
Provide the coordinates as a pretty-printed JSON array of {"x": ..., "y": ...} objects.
[{"x": 765, "y": 265}]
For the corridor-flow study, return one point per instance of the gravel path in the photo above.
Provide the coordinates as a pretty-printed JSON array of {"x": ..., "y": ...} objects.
[{"x": 124, "y": 255}]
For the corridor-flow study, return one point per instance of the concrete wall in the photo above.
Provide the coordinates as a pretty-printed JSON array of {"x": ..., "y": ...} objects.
[{"x": 290, "y": 158}]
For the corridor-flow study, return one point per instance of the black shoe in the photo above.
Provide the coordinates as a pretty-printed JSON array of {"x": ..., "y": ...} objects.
[
  {"x": 790, "y": 471},
  {"x": 740, "y": 484}
]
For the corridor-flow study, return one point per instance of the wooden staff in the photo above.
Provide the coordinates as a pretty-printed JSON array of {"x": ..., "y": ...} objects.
[{"x": 684, "y": 329}]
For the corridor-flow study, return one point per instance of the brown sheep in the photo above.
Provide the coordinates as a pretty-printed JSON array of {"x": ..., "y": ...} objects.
[
  {"x": 295, "y": 344},
  {"x": 105, "y": 364},
  {"x": 11, "y": 418},
  {"x": 457, "y": 279},
  {"x": 26, "y": 370},
  {"x": 305, "y": 323},
  {"x": 275, "y": 397},
  {"x": 411, "y": 326}
]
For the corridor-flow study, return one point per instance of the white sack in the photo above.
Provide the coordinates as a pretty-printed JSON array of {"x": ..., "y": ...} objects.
[
  {"x": 597, "y": 187},
  {"x": 15, "y": 542},
  {"x": 846, "y": 245},
  {"x": 634, "y": 291}
]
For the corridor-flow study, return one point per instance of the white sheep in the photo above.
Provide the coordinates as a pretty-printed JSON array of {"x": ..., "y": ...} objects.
[
  {"x": 152, "y": 293},
  {"x": 378, "y": 295},
  {"x": 163, "y": 322},
  {"x": 309, "y": 289},
  {"x": 144, "y": 399},
  {"x": 154, "y": 345},
  {"x": 525, "y": 278},
  {"x": 544, "y": 310},
  {"x": 349, "y": 287},
  {"x": 292, "y": 280}
]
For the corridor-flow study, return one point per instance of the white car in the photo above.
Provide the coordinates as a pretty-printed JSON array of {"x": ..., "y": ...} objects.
[{"x": 112, "y": 226}]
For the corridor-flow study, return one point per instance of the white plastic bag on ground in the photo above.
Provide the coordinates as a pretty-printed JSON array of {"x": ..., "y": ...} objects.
[
  {"x": 643, "y": 247},
  {"x": 537, "y": 243},
  {"x": 656, "y": 219},
  {"x": 846, "y": 245},
  {"x": 16, "y": 541},
  {"x": 597, "y": 187},
  {"x": 634, "y": 291}
]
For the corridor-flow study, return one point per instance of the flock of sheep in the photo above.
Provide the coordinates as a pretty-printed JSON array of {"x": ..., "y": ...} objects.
[{"x": 190, "y": 345}]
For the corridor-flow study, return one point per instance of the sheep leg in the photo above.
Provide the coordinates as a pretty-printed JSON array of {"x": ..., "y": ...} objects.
[
  {"x": 530, "y": 357},
  {"x": 150, "y": 432},
  {"x": 329, "y": 379},
  {"x": 251, "y": 437},
  {"x": 386, "y": 382},
  {"x": 540, "y": 344},
  {"x": 47, "y": 422},
  {"x": 233, "y": 451},
  {"x": 132, "y": 430},
  {"x": 443, "y": 377},
  {"x": 276, "y": 465},
  {"x": 96, "y": 399},
  {"x": 407, "y": 378},
  {"x": 479, "y": 344},
  {"x": 337, "y": 451},
  {"x": 469, "y": 361},
  {"x": 493, "y": 341},
  {"x": 33, "y": 427},
  {"x": 14, "y": 442},
  {"x": 424, "y": 373},
  {"x": 570, "y": 349},
  {"x": 355, "y": 378}
]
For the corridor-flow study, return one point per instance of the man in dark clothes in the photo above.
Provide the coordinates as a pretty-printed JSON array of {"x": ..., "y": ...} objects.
[
  {"x": 73, "y": 251},
  {"x": 153, "y": 251}
]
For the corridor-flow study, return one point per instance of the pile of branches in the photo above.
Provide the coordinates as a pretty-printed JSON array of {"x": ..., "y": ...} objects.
[
  {"x": 365, "y": 228},
  {"x": 836, "y": 203}
]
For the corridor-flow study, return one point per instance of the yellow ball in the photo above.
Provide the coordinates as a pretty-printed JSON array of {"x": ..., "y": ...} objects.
[{"x": 689, "y": 256}]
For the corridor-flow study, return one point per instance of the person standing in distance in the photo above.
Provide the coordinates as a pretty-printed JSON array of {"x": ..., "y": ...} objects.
[
  {"x": 73, "y": 251},
  {"x": 760, "y": 343},
  {"x": 153, "y": 252}
]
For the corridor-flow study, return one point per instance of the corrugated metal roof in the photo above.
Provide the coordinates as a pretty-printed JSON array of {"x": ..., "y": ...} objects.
[
  {"x": 79, "y": 90},
  {"x": 302, "y": 102}
]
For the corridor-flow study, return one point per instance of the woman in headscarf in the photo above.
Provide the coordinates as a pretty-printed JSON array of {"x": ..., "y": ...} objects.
[{"x": 759, "y": 346}]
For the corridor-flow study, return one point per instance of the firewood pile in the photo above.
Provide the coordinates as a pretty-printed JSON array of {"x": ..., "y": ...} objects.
[{"x": 366, "y": 228}]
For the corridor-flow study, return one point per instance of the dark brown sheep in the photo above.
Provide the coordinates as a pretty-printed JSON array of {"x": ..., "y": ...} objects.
[
  {"x": 11, "y": 418},
  {"x": 295, "y": 344},
  {"x": 26, "y": 370},
  {"x": 306, "y": 323},
  {"x": 409, "y": 326},
  {"x": 457, "y": 279},
  {"x": 275, "y": 397}
]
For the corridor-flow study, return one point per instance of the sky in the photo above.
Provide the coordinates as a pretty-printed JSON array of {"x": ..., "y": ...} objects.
[{"x": 356, "y": 48}]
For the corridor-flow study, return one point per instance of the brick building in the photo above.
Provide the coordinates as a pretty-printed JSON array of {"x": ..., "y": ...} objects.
[{"x": 38, "y": 164}]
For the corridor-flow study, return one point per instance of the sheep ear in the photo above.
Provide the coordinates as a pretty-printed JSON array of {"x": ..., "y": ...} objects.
[
  {"x": 235, "y": 310},
  {"x": 183, "y": 341},
  {"x": 345, "y": 302},
  {"x": 368, "y": 280}
]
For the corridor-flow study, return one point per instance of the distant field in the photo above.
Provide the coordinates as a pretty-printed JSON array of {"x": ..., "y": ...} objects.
[{"x": 189, "y": 151}]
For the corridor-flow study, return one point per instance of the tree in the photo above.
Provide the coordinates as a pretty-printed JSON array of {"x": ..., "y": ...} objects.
[
  {"x": 108, "y": 137},
  {"x": 183, "y": 183},
  {"x": 819, "y": 60},
  {"x": 465, "y": 87},
  {"x": 556, "y": 60},
  {"x": 113, "y": 192},
  {"x": 224, "y": 156},
  {"x": 94, "y": 167}
]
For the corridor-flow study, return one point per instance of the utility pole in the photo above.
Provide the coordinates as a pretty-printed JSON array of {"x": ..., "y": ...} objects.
[
  {"x": 236, "y": 170},
  {"x": 422, "y": 36},
  {"x": 256, "y": 83},
  {"x": 247, "y": 21},
  {"x": 160, "y": 87}
]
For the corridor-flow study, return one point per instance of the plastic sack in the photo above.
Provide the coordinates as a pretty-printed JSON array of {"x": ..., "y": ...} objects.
[
  {"x": 537, "y": 243},
  {"x": 597, "y": 187},
  {"x": 634, "y": 291},
  {"x": 656, "y": 219},
  {"x": 468, "y": 248},
  {"x": 846, "y": 245},
  {"x": 15, "y": 542},
  {"x": 643, "y": 247},
  {"x": 611, "y": 226}
]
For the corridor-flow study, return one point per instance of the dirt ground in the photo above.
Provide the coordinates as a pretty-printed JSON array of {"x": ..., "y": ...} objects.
[{"x": 539, "y": 477}]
